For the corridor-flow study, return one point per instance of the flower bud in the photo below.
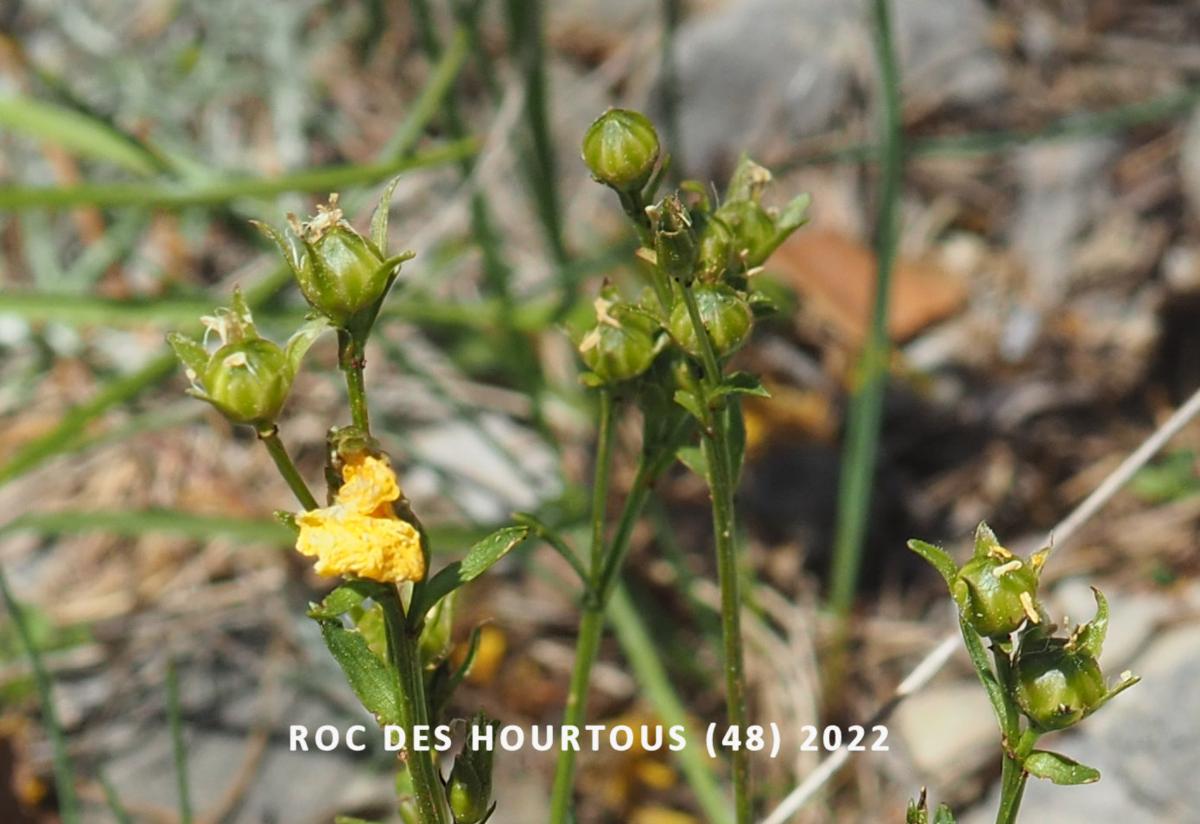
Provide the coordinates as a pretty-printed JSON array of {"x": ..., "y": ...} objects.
[
  {"x": 342, "y": 274},
  {"x": 621, "y": 148},
  {"x": 436, "y": 642},
  {"x": 996, "y": 590},
  {"x": 674, "y": 241},
  {"x": 621, "y": 344},
  {"x": 248, "y": 377},
  {"x": 1058, "y": 680},
  {"x": 725, "y": 315},
  {"x": 469, "y": 789}
]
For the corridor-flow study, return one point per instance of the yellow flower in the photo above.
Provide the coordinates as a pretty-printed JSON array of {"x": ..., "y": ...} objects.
[{"x": 360, "y": 534}]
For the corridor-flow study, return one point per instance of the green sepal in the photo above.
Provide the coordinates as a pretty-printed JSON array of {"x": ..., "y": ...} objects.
[
  {"x": 379, "y": 218},
  {"x": 1089, "y": 637},
  {"x": 191, "y": 353},
  {"x": 282, "y": 242},
  {"x": 1056, "y": 767},
  {"x": 373, "y": 682},
  {"x": 303, "y": 339},
  {"x": 985, "y": 540},
  {"x": 943, "y": 815},
  {"x": 938, "y": 558},
  {"x": 478, "y": 560}
]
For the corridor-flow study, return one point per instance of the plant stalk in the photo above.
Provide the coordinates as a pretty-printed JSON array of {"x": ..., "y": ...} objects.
[
  {"x": 591, "y": 625},
  {"x": 352, "y": 363},
  {"x": 402, "y": 640},
  {"x": 283, "y": 461},
  {"x": 719, "y": 467}
]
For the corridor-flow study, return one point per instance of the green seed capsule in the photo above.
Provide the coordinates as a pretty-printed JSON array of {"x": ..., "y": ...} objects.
[
  {"x": 1057, "y": 687},
  {"x": 997, "y": 591},
  {"x": 621, "y": 149},
  {"x": 725, "y": 315},
  {"x": 716, "y": 244},
  {"x": 621, "y": 344},
  {"x": 248, "y": 377},
  {"x": 340, "y": 273},
  {"x": 249, "y": 380}
]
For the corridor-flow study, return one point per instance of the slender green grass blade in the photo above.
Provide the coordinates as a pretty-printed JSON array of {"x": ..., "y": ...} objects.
[
  {"x": 134, "y": 523},
  {"x": 178, "y": 748},
  {"x": 175, "y": 195},
  {"x": 644, "y": 659},
  {"x": 113, "y": 801},
  {"x": 74, "y": 131},
  {"x": 64, "y": 776}
]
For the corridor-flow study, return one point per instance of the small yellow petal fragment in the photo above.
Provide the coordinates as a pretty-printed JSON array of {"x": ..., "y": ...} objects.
[{"x": 1027, "y": 605}]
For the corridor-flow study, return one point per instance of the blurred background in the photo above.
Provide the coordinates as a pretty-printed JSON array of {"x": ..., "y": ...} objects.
[{"x": 1045, "y": 308}]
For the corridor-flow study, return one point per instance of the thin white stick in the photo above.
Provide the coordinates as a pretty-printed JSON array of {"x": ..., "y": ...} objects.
[{"x": 932, "y": 663}]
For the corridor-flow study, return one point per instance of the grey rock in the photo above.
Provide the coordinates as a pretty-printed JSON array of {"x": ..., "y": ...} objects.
[{"x": 760, "y": 69}]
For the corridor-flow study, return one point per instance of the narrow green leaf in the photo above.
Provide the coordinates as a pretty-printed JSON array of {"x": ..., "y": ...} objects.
[
  {"x": 693, "y": 458},
  {"x": 742, "y": 383},
  {"x": 75, "y": 132},
  {"x": 372, "y": 681},
  {"x": 1059, "y": 769},
  {"x": 691, "y": 403},
  {"x": 345, "y": 598},
  {"x": 478, "y": 560},
  {"x": 937, "y": 557}
]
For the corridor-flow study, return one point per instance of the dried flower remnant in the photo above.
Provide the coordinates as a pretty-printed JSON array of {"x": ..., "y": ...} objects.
[{"x": 360, "y": 534}]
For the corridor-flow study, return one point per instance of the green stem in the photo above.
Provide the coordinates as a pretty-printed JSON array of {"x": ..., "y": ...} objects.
[
  {"x": 591, "y": 625},
  {"x": 1013, "y": 778},
  {"x": 352, "y": 363},
  {"x": 859, "y": 453},
  {"x": 718, "y": 461},
  {"x": 402, "y": 639},
  {"x": 283, "y": 461}
]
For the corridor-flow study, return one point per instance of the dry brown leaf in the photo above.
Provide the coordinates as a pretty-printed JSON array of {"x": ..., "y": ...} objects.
[{"x": 834, "y": 276}]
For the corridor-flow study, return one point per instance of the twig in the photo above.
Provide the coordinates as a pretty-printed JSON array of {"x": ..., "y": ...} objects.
[{"x": 932, "y": 663}]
